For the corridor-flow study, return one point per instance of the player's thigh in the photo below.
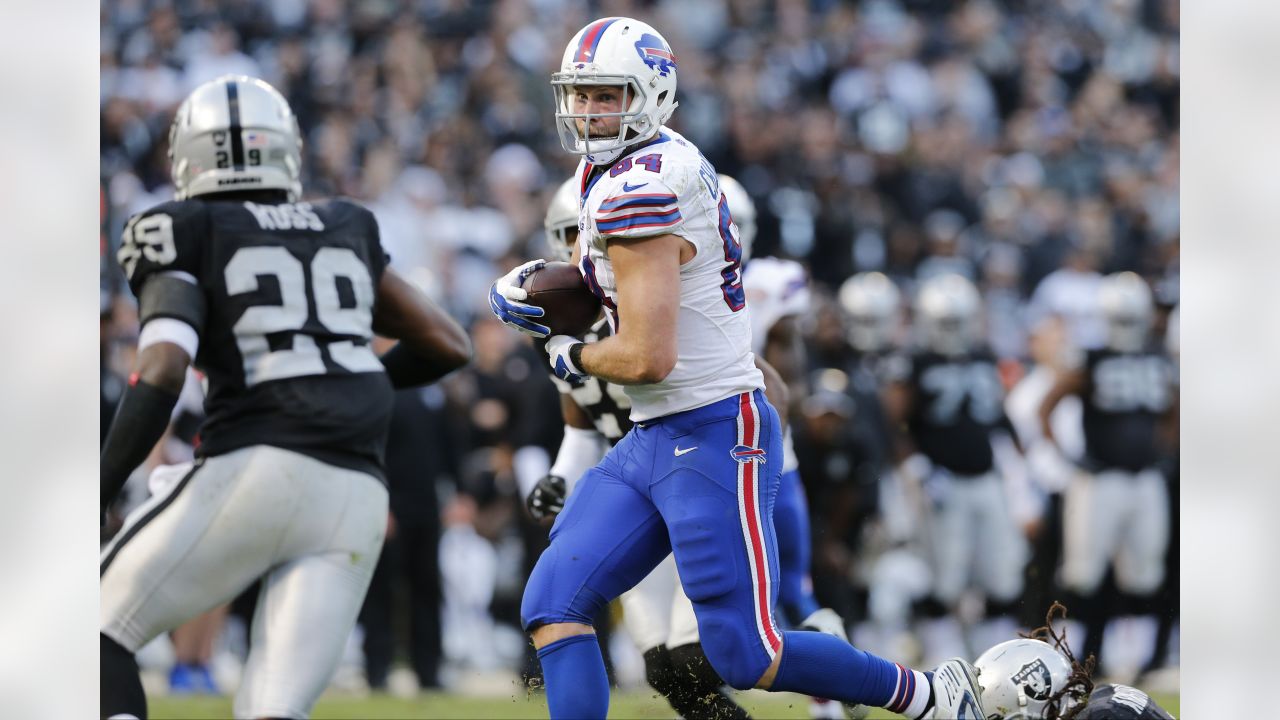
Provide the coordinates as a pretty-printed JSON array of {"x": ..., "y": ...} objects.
[
  {"x": 951, "y": 543},
  {"x": 183, "y": 552},
  {"x": 1092, "y": 518},
  {"x": 646, "y": 608},
  {"x": 791, "y": 524},
  {"x": 306, "y": 610},
  {"x": 1001, "y": 547},
  {"x": 608, "y": 538},
  {"x": 1140, "y": 560},
  {"x": 718, "y": 505}
]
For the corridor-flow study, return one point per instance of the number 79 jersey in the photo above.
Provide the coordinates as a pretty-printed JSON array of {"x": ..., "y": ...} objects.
[
  {"x": 665, "y": 186},
  {"x": 289, "y": 290}
]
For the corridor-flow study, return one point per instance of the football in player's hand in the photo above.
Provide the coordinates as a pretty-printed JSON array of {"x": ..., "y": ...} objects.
[{"x": 559, "y": 289}]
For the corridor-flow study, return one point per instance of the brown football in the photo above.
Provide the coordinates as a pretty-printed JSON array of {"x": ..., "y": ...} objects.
[{"x": 559, "y": 289}]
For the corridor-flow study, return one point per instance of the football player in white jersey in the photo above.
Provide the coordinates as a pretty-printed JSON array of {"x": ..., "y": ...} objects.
[
  {"x": 698, "y": 473},
  {"x": 656, "y": 613}
]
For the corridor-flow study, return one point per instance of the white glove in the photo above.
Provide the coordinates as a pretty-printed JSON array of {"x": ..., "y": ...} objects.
[
  {"x": 506, "y": 300},
  {"x": 558, "y": 350}
]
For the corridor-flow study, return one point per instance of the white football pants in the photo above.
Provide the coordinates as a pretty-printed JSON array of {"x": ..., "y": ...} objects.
[
  {"x": 1115, "y": 515},
  {"x": 310, "y": 530},
  {"x": 974, "y": 539},
  {"x": 657, "y": 612}
]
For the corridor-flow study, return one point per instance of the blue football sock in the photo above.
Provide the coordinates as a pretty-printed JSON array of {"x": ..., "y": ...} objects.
[
  {"x": 825, "y": 666},
  {"x": 577, "y": 685}
]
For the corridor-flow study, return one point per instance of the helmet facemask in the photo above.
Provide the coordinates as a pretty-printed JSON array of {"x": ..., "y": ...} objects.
[{"x": 633, "y": 124}]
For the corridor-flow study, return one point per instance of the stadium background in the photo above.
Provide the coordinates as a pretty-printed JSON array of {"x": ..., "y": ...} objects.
[{"x": 1014, "y": 142}]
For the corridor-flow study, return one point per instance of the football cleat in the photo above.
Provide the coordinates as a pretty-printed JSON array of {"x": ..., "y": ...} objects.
[{"x": 956, "y": 693}]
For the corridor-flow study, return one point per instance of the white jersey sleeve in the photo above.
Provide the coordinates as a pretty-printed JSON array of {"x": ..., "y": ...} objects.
[
  {"x": 775, "y": 289},
  {"x": 663, "y": 187}
]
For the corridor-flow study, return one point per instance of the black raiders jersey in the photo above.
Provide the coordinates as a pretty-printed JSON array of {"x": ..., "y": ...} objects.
[
  {"x": 1124, "y": 396},
  {"x": 958, "y": 402},
  {"x": 289, "y": 290},
  {"x": 1121, "y": 702},
  {"x": 606, "y": 403}
]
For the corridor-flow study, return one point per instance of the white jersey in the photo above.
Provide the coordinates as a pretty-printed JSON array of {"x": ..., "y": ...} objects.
[
  {"x": 665, "y": 186},
  {"x": 775, "y": 289}
]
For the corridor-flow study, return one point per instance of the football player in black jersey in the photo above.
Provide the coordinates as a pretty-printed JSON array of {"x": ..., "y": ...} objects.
[
  {"x": 947, "y": 403},
  {"x": 1038, "y": 678},
  {"x": 276, "y": 301},
  {"x": 1118, "y": 507}
]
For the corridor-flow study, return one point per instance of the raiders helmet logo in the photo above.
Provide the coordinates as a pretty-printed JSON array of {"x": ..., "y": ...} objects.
[{"x": 1034, "y": 678}]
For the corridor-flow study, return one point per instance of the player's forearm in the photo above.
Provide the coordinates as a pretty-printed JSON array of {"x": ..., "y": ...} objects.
[
  {"x": 627, "y": 360},
  {"x": 142, "y": 416}
]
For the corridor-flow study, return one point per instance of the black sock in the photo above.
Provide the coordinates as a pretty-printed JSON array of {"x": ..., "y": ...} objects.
[
  {"x": 121, "y": 687},
  {"x": 698, "y": 692}
]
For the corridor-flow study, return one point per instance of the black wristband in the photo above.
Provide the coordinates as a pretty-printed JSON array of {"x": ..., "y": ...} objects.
[
  {"x": 575, "y": 355},
  {"x": 406, "y": 368},
  {"x": 139, "y": 422}
]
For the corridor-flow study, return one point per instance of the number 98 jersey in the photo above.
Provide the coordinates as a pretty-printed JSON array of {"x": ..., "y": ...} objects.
[
  {"x": 289, "y": 290},
  {"x": 665, "y": 186}
]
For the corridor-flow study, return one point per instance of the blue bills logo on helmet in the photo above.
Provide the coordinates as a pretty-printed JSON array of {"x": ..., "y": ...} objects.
[
  {"x": 744, "y": 454},
  {"x": 655, "y": 53}
]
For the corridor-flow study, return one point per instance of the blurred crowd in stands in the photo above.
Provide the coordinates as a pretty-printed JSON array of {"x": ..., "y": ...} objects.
[{"x": 1032, "y": 147}]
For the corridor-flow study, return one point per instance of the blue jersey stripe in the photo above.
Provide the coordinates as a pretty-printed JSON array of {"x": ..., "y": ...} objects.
[
  {"x": 640, "y": 220},
  {"x": 627, "y": 201}
]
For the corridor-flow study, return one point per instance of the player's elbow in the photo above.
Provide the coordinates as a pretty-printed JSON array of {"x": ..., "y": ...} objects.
[
  {"x": 655, "y": 367},
  {"x": 457, "y": 351}
]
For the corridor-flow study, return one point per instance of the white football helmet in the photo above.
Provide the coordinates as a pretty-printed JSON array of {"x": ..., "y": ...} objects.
[
  {"x": 743, "y": 211},
  {"x": 1126, "y": 304},
  {"x": 871, "y": 302},
  {"x": 235, "y": 133},
  {"x": 947, "y": 313},
  {"x": 625, "y": 53},
  {"x": 1019, "y": 677},
  {"x": 562, "y": 216}
]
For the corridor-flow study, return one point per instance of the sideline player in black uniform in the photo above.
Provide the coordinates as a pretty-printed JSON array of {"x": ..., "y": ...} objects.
[
  {"x": 276, "y": 301},
  {"x": 949, "y": 400},
  {"x": 1118, "y": 508},
  {"x": 1038, "y": 677}
]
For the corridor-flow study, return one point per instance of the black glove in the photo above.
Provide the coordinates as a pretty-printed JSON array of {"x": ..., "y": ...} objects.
[{"x": 547, "y": 498}]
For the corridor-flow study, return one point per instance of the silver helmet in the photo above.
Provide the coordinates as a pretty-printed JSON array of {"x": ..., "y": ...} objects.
[
  {"x": 871, "y": 302},
  {"x": 743, "y": 212},
  {"x": 947, "y": 313},
  {"x": 235, "y": 133},
  {"x": 562, "y": 216},
  {"x": 1126, "y": 304},
  {"x": 1019, "y": 677}
]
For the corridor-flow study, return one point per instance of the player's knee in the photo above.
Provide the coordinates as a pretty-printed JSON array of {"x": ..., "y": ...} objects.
[
  {"x": 733, "y": 647},
  {"x": 546, "y": 602}
]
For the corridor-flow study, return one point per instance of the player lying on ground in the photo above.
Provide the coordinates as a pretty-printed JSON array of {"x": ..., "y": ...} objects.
[
  {"x": 698, "y": 474},
  {"x": 276, "y": 301},
  {"x": 1038, "y": 678}
]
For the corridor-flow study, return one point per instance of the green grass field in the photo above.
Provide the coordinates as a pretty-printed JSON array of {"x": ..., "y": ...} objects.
[{"x": 630, "y": 704}]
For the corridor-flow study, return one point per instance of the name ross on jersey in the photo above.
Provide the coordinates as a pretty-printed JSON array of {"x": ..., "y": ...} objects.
[{"x": 285, "y": 216}]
